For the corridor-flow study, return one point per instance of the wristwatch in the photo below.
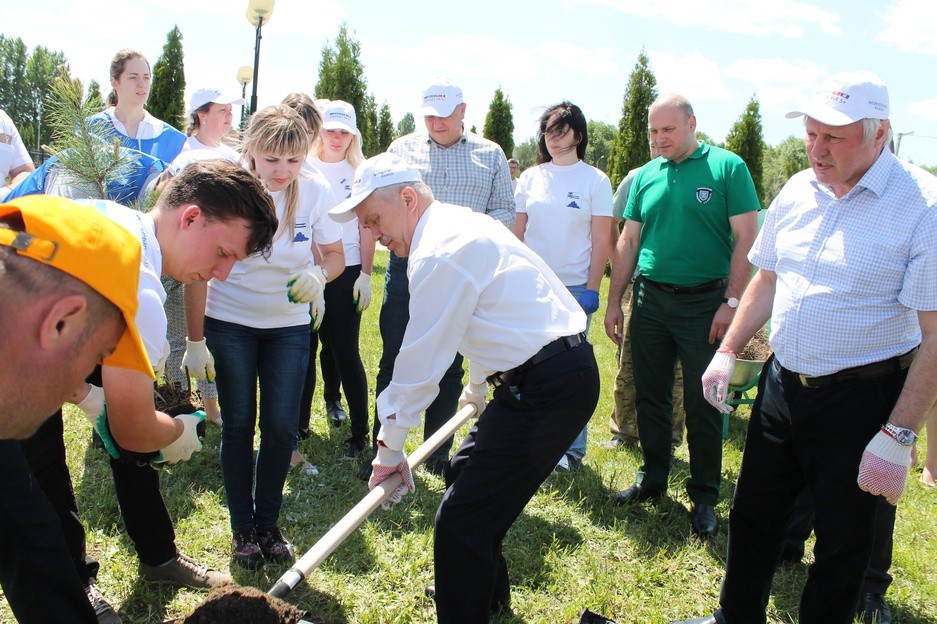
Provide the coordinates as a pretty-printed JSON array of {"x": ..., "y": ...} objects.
[
  {"x": 732, "y": 302},
  {"x": 902, "y": 436}
]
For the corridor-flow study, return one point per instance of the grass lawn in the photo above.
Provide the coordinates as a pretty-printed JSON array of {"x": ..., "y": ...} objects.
[{"x": 571, "y": 549}]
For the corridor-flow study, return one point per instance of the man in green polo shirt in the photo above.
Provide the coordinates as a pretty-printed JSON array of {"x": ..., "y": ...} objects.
[{"x": 690, "y": 220}]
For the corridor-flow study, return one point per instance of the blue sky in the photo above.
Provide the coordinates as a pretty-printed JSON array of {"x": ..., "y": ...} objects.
[{"x": 718, "y": 53}]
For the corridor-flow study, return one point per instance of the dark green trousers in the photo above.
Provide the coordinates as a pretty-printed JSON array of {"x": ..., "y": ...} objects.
[{"x": 666, "y": 326}]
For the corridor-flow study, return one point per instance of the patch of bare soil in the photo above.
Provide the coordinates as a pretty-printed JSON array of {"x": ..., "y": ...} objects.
[
  {"x": 236, "y": 605},
  {"x": 757, "y": 348}
]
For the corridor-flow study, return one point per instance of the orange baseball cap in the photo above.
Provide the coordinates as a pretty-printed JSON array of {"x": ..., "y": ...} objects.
[{"x": 78, "y": 240}]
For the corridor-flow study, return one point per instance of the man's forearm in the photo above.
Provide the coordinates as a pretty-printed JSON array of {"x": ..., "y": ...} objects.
[
  {"x": 919, "y": 394},
  {"x": 753, "y": 312}
]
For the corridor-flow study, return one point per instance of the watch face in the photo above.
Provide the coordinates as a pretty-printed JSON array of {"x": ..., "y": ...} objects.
[
  {"x": 732, "y": 302},
  {"x": 905, "y": 437}
]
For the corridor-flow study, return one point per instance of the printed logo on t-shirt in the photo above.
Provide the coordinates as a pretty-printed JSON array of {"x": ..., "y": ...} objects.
[
  {"x": 704, "y": 194},
  {"x": 573, "y": 200},
  {"x": 298, "y": 227},
  {"x": 347, "y": 186}
]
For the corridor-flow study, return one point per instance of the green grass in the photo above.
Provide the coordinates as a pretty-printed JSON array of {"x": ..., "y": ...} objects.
[{"x": 571, "y": 549}]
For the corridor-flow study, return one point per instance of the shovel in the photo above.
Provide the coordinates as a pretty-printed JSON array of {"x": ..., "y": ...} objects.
[{"x": 350, "y": 521}]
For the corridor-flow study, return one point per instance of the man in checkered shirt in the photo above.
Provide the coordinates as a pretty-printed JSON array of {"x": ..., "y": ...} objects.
[
  {"x": 463, "y": 169},
  {"x": 847, "y": 274}
]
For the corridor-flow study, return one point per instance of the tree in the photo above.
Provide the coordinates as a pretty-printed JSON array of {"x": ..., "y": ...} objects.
[
  {"x": 699, "y": 135},
  {"x": 526, "y": 153},
  {"x": 499, "y": 123},
  {"x": 747, "y": 140},
  {"x": 406, "y": 125},
  {"x": 385, "y": 129},
  {"x": 14, "y": 95},
  {"x": 167, "y": 93},
  {"x": 341, "y": 77},
  {"x": 93, "y": 99},
  {"x": 780, "y": 163},
  {"x": 41, "y": 69},
  {"x": 601, "y": 135},
  {"x": 630, "y": 148}
]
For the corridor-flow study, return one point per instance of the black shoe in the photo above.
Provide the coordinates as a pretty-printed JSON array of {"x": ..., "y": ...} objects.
[
  {"x": 499, "y": 604},
  {"x": 274, "y": 546},
  {"x": 333, "y": 409},
  {"x": 874, "y": 610},
  {"x": 355, "y": 447},
  {"x": 437, "y": 465},
  {"x": 703, "y": 521},
  {"x": 700, "y": 620},
  {"x": 364, "y": 470},
  {"x": 245, "y": 551},
  {"x": 636, "y": 494}
]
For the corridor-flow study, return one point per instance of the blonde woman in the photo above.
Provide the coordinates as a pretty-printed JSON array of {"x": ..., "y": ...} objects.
[
  {"x": 257, "y": 325},
  {"x": 335, "y": 154}
]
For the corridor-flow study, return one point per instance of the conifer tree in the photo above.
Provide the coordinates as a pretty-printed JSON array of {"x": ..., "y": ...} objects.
[
  {"x": 745, "y": 139},
  {"x": 499, "y": 123},
  {"x": 630, "y": 148},
  {"x": 167, "y": 92}
]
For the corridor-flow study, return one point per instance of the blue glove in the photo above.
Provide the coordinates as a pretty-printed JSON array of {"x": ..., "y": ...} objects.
[{"x": 588, "y": 301}]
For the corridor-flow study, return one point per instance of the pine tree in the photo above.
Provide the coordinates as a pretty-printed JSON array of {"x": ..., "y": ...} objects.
[
  {"x": 601, "y": 135},
  {"x": 406, "y": 125},
  {"x": 167, "y": 93},
  {"x": 499, "y": 123},
  {"x": 746, "y": 140},
  {"x": 780, "y": 163},
  {"x": 630, "y": 148},
  {"x": 93, "y": 99},
  {"x": 385, "y": 129},
  {"x": 341, "y": 77}
]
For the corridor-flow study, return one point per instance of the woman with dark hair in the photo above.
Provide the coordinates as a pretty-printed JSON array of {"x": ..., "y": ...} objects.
[{"x": 564, "y": 213}]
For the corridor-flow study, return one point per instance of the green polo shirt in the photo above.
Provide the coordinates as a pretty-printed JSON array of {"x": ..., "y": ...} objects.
[{"x": 684, "y": 210}]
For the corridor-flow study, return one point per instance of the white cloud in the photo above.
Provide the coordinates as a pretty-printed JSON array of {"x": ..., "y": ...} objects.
[
  {"x": 695, "y": 76},
  {"x": 909, "y": 26},
  {"x": 926, "y": 109},
  {"x": 788, "y": 18}
]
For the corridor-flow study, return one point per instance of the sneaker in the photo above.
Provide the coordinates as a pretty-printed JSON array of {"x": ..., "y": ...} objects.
[
  {"x": 186, "y": 571},
  {"x": 355, "y": 446},
  {"x": 337, "y": 415},
  {"x": 102, "y": 608},
  {"x": 568, "y": 463},
  {"x": 274, "y": 546},
  {"x": 245, "y": 551}
]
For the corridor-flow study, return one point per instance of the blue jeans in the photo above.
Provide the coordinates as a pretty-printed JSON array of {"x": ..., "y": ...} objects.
[
  {"x": 578, "y": 448},
  {"x": 278, "y": 358}
]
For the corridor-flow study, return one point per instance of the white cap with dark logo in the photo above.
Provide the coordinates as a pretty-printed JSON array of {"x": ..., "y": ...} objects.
[
  {"x": 376, "y": 172},
  {"x": 338, "y": 115},
  {"x": 847, "y": 98},
  {"x": 441, "y": 98}
]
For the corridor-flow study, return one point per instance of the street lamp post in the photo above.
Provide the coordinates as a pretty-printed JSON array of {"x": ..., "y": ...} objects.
[
  {"x": 258, "y": 13},
  {"x": 245, "y": 73}
]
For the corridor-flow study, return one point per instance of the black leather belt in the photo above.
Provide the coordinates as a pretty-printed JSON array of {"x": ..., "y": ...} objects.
[
  {"x": 560, "y": 345},
  {"x": 705, "y": 287},
  {"x": 867, "y": 371}
]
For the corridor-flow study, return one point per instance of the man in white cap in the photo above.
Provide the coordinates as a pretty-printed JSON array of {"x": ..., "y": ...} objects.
[
  {"x": 461, "y": 168},
  {"x": 480, "y": 292},
  {"x": 847, "y": 273}
]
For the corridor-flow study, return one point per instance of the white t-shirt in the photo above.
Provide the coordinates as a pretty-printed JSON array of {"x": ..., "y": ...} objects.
[
  {"x": 255, "y": 293},
  {"x": 13, "y": 152},
  {"x": 224, "y": 151},
  {"x": 560, "y": 202},
  {"x": 151, "y": 315},
  {"x": 194, "y": 150},
  {"x": 340, "y": 175},
  {"x": 475, "y": 289}
]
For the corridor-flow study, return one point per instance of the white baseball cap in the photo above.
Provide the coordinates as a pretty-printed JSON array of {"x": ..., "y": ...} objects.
[
  {"x": 847, "y": 98},
  {"x": 338, "y": 115},
  {"x": 211, "y": 95},
  {"x": 441, "y": 98},
  {"x": 376, "y": 172}
]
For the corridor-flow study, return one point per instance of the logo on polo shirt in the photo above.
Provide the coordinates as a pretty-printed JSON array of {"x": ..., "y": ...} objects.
[
  {"x": 704, "y": 194},
  {"x": 573, "y": 200}
]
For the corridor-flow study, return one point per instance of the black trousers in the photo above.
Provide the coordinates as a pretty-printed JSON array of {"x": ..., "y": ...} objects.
[
  {"x": 877, "y": 578},
  {"x": 39, "y": 581},
  {"x": 801, "y": 438},
  {"x": 511, "y": 450}
]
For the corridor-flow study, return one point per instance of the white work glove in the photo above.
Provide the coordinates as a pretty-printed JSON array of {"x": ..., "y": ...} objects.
[
  {"x": 386, "y": 463},
  {"x": 474, "y": 394},
  {"x": 884, "y": 467},
  {"x": 307, "y": 286},
  {"x": 186, "y": 444},
  {"x": 362, "y": 292},
  {"x": 198, "y": 360},
  {"x": 92, "y": 406},
  {"x": 716, "y": 380}
]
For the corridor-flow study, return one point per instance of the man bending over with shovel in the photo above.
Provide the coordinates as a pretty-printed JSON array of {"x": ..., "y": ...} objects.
[{"x": 475, "y": 289}]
